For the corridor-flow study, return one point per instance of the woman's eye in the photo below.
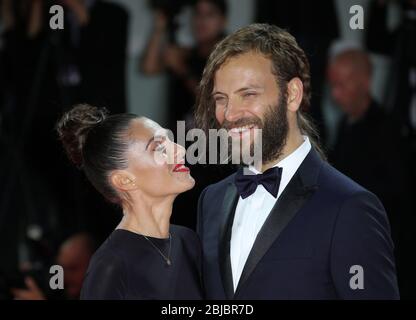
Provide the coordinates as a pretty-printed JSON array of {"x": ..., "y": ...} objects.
[{"x": 160, "y": 148}]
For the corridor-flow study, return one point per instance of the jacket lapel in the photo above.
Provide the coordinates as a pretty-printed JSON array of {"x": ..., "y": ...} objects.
[
  {"x": 295, "y": 195},
  {"x": 228, "y": 211}
]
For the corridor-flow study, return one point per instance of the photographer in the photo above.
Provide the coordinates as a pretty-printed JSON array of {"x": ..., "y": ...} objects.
[
  {"x": 74, "y": 256},
  {"x": 184, "y": 65}
]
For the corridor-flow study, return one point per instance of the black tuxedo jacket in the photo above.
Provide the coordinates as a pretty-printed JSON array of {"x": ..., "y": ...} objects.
[{"x": 325, "y": 238}]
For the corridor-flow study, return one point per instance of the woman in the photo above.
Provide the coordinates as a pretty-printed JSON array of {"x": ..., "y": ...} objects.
[
  {"x": 184, "y": 66},
  {"x": 131, "y": 162}
]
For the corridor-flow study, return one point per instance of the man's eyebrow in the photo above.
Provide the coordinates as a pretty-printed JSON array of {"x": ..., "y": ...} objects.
[
  {"x": 248, "y": 88},
  {"x": 216, "y": 92},
  {"x": 240, "y": 90}
]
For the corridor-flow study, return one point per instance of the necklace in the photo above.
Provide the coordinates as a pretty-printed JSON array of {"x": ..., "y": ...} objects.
[{"x": 166, "y": 258}]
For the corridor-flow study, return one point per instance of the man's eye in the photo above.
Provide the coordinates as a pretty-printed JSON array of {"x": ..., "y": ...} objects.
[
  {"x": 249, "y": 94},
  {"x": 219, "y": 99}
]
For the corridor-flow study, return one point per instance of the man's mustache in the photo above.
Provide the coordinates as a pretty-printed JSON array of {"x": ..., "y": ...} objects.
[{"x": 242, "y": 122}]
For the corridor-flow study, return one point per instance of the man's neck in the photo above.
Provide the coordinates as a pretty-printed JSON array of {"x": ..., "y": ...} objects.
[{"x": 293, "y": 142}]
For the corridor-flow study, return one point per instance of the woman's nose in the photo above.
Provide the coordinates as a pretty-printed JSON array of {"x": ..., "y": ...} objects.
[{"x": 179, "y": 153}]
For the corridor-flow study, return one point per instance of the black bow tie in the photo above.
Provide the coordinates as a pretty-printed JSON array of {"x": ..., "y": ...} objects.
[{"x": 247, "y": 183}]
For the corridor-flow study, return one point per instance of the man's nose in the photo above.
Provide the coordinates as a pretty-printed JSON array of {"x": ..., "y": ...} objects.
[{"x": 233, "y": 112}]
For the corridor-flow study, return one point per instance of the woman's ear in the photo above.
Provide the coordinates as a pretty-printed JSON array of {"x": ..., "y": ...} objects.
[
  {"x": 123, "y": 180},
  {"x": 294, "y": 94}
]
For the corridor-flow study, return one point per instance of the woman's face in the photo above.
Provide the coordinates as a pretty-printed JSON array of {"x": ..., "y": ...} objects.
[{"x": 155, "y": 162}]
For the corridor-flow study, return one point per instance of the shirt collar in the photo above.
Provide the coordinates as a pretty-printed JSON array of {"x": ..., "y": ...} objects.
[{"x": 293, "y": 160}]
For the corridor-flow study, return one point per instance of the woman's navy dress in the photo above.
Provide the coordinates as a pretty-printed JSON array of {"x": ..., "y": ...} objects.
[{"x": 127, "y": 266}]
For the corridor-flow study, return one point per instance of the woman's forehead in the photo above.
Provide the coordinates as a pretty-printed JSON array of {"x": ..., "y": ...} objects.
[{"x": 143, "y": 129}]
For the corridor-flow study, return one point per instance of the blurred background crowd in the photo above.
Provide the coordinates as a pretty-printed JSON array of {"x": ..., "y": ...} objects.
[{"x": 147, "y": 57}]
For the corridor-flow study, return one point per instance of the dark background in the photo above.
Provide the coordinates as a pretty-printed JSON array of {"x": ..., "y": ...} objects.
[{"x": 44, "y": 199}]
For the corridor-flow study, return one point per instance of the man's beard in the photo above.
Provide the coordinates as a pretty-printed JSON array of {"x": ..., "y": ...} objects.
[{"x": 275, "y": 128}]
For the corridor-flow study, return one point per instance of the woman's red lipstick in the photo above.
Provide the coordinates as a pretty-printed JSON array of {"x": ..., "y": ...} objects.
[{"x": 180, "y": 168}]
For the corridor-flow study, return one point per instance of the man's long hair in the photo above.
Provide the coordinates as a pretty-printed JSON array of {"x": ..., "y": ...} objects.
[{"x": 288, "y": 61}]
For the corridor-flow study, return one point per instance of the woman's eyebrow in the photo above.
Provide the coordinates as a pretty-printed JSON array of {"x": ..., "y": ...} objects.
[
  {"x": 157, "y": 137},
  {"x": 149, "y": 142}
]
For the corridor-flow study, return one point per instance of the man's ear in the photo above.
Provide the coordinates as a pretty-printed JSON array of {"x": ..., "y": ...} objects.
[
  {"x": 294, "y": 94},
  {"x": 123, "y": 180}
]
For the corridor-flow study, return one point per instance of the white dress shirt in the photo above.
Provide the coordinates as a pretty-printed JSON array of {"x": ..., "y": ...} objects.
[{"x": 252, "y": 211}]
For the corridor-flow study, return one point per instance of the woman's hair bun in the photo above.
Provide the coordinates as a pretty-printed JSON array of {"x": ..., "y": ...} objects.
[{"x": 74, "y": 126}]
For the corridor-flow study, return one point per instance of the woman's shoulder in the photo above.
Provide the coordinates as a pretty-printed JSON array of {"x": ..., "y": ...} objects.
[
  {"x": 118, "y": 248},
  {"x": 106, "y": 277},
  {"x": 107, "y": 254},
  {"x": 183, "y": 231},
  {"x": 188, "y": 237}
]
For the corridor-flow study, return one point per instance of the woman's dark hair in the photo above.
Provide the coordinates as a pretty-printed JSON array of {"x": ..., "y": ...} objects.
[{"x": 97, "y": 143}]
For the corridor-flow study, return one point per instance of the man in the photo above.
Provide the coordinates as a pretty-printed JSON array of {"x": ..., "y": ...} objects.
[
  {"x": 365, "y": 135},
  {"x": 368, "y": 149},
  {"x": 317, "y": 234}
]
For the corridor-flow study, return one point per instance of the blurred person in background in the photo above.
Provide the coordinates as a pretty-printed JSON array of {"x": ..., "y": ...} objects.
[
  {"x": 23, "y": 122},
  {"x": 400, "y": 45},
  {"x": 47, "y": 71},
  {"x": 73, "y": 256},
  {"x": 185, "y": 65},
  {"x": 368, "y": 148},
  {"x": 97, "y": 43},
  {"x": 315, "y": 27}
]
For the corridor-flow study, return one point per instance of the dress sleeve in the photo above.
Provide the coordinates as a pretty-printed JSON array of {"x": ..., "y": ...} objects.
[{"x": 106, "y": 279}]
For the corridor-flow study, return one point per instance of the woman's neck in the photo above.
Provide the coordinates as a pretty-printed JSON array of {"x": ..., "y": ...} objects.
[{"x": 148, "y": 217}]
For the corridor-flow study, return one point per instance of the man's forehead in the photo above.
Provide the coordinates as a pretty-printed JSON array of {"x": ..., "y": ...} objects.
[
  {"x": 247, "y": 59},
  {"x": 251, "y": 70}
]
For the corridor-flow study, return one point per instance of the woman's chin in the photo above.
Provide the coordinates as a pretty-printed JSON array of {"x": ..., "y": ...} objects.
[
  {"x": 187, "y": 182},
  {"x": 191, "y": 182}
]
